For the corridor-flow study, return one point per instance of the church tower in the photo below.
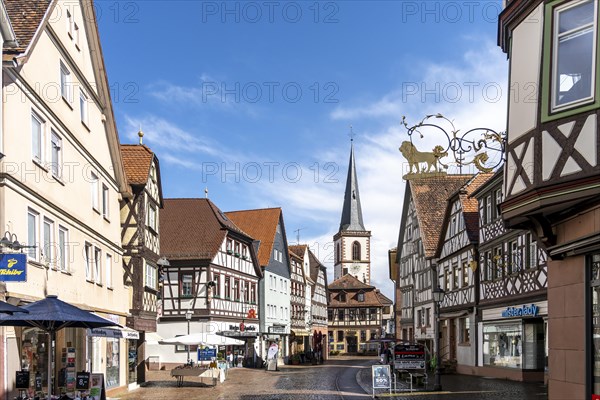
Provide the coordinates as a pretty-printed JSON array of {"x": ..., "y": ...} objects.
[{"x": 352, "y": 243}]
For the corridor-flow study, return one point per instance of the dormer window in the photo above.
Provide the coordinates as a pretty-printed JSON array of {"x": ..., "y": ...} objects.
[
  {"x": 360, "y": 297},
  {"x": 342, "y": 297}
]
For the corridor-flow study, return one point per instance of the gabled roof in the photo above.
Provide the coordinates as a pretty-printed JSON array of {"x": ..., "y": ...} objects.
[
  {"x": 315, "y": 266},
  {"x": 348, "y": 282},
  {"x": 137, "y": 160},
  {"x": 383, "y": 298},
  {"x": 26, "y": 17},
  {"x": 261, "y": 224},
  {"x": 430, "y": 196},
  {"x": 298, "y": 249},
  {"x": 193, "y": 229},
  {"x": 352, "y": 219},
  {"x": 352, "y": 287},
  {"x": 470, "y": 205}
]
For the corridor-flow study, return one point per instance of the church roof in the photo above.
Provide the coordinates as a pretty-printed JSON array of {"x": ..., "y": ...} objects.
[{"x": 352, "y": 213}]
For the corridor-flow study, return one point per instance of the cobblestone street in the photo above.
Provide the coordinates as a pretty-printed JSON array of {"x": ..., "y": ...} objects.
[{"x": 340, "y": 378}]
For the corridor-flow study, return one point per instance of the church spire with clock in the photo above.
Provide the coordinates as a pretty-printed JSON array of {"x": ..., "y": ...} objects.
[{"x": 352, "y": 243}]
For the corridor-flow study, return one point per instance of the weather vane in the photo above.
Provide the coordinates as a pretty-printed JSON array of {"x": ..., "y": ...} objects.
[{"x": 467, "y": 148}]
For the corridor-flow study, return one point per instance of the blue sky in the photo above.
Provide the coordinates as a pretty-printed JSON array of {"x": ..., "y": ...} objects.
[{"x": 253, "y": 100}]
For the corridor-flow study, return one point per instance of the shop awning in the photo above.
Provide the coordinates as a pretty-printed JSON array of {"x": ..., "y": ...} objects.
[{"x": 117, "y": 333}]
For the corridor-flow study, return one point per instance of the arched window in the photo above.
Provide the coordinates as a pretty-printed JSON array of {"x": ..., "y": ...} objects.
[{"x": 356, "y": 251}]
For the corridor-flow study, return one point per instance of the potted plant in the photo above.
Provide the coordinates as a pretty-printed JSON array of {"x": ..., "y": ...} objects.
[{"x": 296, "y": 359}]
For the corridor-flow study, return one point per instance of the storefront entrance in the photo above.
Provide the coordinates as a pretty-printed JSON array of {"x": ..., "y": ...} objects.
[{"x": 351, "y": 344}]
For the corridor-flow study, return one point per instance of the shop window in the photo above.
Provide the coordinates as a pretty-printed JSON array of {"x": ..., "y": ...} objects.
[
  {"x": 363, "y": 336},
  {"x": 340, "y": 336},
  {"x": 503, "y": 345},
  {"x": 112, "y": 362}
]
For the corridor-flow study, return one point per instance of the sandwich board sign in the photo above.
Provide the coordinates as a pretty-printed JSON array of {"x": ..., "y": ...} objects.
[{"x": 382, "y": 378}]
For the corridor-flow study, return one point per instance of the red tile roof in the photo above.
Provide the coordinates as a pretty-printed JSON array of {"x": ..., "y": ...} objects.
[
  {"x": 348, "y": 282},
  {"x": 352, "y": 286},
  {"x": 137, "y": 160},
  {"x": 298, "y": 249},
  {"x": 470, "y": 205},
  {"x": 260, "y": 224},
  {"x": 25, "y": 16},
  {"x": 430, "y": 196},
  {"x": 193, "y": 229}
]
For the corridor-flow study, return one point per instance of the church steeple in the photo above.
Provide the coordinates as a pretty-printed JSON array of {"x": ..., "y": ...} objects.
[
  {"x": 352, "y": 243},
  {"x": 352, "y": 219}
]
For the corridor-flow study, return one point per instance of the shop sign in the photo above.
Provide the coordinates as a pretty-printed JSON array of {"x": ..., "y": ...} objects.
[
  {"x": 242, "y": 327},
  {"x": 13, "y": 267},
  {"x": 523, "y": 311},
  {"x": 22, "y": 380},
  {"x": 277, "y": 329},
  {"x": 207, "y": 354},
  {"x": 123, "y": 333},
  {"x": 409, "y": 356}
]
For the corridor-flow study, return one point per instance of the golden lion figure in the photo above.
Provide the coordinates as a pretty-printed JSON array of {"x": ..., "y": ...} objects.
[{"x": 415, "y": 157}]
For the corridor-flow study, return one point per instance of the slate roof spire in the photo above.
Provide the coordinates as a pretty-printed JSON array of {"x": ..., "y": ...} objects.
[{"x": 352, "y": 219}]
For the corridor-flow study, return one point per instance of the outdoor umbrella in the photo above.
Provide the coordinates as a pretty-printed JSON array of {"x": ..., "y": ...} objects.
[
  {"x": 51, "y": 315},
  {"x": 7, "y": 308},
  {"x": 203, "y": 339}
]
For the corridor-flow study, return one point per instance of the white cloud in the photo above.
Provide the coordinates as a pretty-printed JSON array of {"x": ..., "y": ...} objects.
[{"x": 479, "y": 81}]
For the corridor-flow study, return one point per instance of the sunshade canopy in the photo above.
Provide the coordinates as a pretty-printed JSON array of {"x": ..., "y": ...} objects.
[{"x": 6, "y": 308}]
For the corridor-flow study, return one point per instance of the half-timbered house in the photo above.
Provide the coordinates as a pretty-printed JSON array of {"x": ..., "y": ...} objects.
[
  {"x": 393, "y": 273},
  {"x": 551, "y": 184},
  {"x": 301, "y": 251},
  {"x": 513, "y": 307},
  {"x": 266, "y": 225},
  {"x": 425, "y": 201},
  {"x": 355, "y": 315},
  {"x": 141, "y": 247},
  {"x": 456, "y": 256},
  {"x": 211, "y": 284},
  {"x": 318, "y": 306},
  {"x": 299, "y": 286}
]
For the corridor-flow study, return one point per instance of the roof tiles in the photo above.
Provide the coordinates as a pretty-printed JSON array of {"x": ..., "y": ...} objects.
[
  {"x": 25, "y": 17},
  {"x": 260, "y": 224},
  {"x": 430, "y": 196},
  {"x": 137, "y": 160},
  {"x": 192, "y": 229}
]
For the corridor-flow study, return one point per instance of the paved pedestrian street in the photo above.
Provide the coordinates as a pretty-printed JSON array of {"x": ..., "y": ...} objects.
[{"x": 341, "y": 378}]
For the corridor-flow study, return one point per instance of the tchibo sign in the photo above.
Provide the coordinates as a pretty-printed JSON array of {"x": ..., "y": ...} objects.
[{"x": 523, "y": 311}]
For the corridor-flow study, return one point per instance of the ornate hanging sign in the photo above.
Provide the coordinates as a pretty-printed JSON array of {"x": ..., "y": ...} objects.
[{"x": 463, "y": 149}]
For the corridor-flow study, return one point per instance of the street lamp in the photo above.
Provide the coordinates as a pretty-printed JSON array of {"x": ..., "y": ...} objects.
[
  {"x": 438, "y": 298},
  {"x": 188, "y": 317}
]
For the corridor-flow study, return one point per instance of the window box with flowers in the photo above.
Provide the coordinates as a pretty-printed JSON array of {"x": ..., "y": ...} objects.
[
  {"x": 229, "y": 251},
  {"x": 236, "y": 255}
]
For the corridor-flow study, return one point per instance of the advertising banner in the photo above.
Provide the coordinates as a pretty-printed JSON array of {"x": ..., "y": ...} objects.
[{"x": 13, "y": 267}]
